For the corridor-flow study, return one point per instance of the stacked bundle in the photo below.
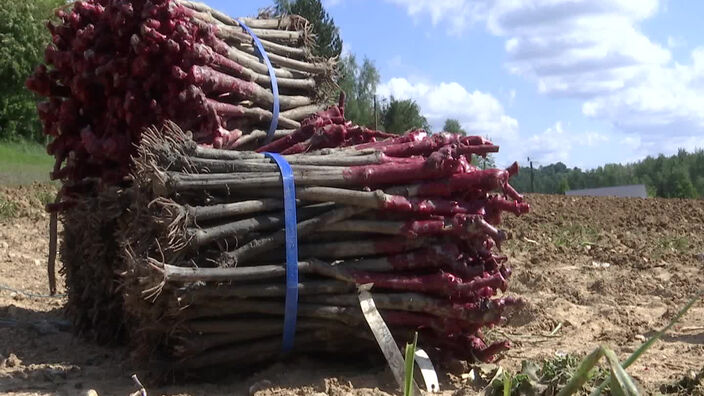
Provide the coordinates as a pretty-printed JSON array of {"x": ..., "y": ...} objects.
[
  {"x": 116, "y": 67},
  {"x": 205, "y": 244}
]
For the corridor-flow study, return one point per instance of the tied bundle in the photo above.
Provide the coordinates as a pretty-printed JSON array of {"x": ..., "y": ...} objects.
[
  {"x": 114, "y": 67},
  {"x": 204, "y": 246}
]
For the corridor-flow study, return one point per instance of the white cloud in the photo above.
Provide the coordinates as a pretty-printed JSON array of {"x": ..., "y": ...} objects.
[
  {"x": 576, "y": 48},
  {"x": 594, "y": 51},
  {"x": 511, "y": 97},
  {"x": 479, "y": 113},
  {"x": 552, "y": 145},
  {"x": 666, "y": 99},
  {"x": 558, "y": 143},
  {"x": 631, "y": 141},
  {"x": 675, "y": 42},
  {"x": 593, "y": 139},
  {"x": 458, "y": 14}
]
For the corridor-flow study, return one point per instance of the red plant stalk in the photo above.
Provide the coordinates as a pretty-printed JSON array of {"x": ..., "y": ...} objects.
[
  {"x": 479, "y": 180},
  {"x": 415, "y": 135},
  {"x": 465, "y": 346},
  {"x": 336, "y": 135},
  {"x": 442, "y": 283},
  {"x": 437, "y": 165},
  {"x": 422, "y": 321},
  {"x": 333, "y": 115},
  {"x": 435, "y": 142}
]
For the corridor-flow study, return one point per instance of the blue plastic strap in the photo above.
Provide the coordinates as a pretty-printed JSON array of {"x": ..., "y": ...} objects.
[
  {"x": 291, "y": 224},
  {"x": 274, "y": 84}
]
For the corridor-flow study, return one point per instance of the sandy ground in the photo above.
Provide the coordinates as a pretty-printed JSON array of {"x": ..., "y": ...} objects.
[{"x": 606, "y": 271}]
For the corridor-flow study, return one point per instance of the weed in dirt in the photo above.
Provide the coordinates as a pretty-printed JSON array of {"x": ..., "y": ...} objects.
[
  {"x": 45, "y": 196},
  {"x": 692, "y": 383},
  {"x": 8, "y": 209},
  {"x": 566, "y": 375},
  {"x": 546, "y": 378},
  {"x": 575, "y": 235},
  {"x": 675, "y": 244}
]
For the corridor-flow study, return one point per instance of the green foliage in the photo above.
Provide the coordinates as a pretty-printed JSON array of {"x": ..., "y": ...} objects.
[
  {"x": 567, "y": 375},
  {"x": 678, "y": 176},
  {"x": 484, "y": 163},
  {"x": 45, "y": 197},
  {"x": 358, "y": 81},
  {"x": 409, "y": 365},
  {"x": 453, "y": 126},
  {"x": 679, "y": 244},
  {"x": 546, "y": 378},
  {"x": 399, "y": 116},
  {"x": 649, "y": 343},
  {"x": 564, "y": 185},
  {"x": 574, "y": 235},
  {"x": 8, "y": 209},
  {"x": 359, "y": 84},
  {"x": 328, "y": 41},
  {"x": 23, "y": 38}
]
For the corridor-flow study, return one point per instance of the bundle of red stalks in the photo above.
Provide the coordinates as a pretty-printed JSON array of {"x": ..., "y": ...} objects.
[
  {"x": 205, "y": 244},
  {"x": 202, "y": 267},
  {"x": 115, "y": 67}
]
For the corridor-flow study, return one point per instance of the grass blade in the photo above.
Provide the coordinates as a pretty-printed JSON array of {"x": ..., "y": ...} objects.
[
  {"x": 507, "y": 384},
  {"x": 619, "y": 378},
  {"x": 638, "y": 352},
  {"x": 408, "y": 375},
  {"x": 582, "y": 373}
]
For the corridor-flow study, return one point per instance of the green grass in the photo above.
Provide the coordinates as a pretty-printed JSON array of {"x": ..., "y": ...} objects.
[
  {"x": 568, "y": 375},
  {"x": 24, "y": 163},
  {"x": 670, "y": 244},
  {"x": 408, "y": 372},
  {"x": 8, "y": 209},
  {"x": 575, "y": 235},
  {"x": 545, "y": 378}
]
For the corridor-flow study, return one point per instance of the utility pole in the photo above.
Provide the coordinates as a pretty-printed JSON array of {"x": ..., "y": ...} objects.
[
  {"x": 532, "y": 177},
  {"x": 376, "y": 127}
]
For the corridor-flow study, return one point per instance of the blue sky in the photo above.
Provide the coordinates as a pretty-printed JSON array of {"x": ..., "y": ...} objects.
[{"x": 585, "y": 82}]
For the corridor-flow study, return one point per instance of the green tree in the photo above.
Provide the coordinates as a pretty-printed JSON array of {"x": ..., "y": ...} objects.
[
  {"x": 680, "y": 185},
  {"x": 359, "y": 84},
  {"x": 23, "y": 38},
  {"x": 453, "y": 126},
  {"x": 328, "y": 41},
  {"x": 678, "y": 176},
  {"x": 399, "y": 116},
  {"x": 484, "y": 163}
]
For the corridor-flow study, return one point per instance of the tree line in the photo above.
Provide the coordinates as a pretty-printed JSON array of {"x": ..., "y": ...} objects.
[{"x": 677, "y": 176}]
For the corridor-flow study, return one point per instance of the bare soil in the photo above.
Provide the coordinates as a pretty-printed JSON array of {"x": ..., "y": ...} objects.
[{"x": 602, "y": 271}]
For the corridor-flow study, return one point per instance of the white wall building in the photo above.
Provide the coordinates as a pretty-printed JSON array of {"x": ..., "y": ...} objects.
[{"x": 633, "y": 191}]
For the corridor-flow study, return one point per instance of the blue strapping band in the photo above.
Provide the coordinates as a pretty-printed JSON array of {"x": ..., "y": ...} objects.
[
  {"x": 291, "y": 228},
  {"x": 274, "y": 84}
]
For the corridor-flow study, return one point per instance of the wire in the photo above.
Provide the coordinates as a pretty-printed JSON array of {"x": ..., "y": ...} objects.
[{"x": 29, "y": 294}]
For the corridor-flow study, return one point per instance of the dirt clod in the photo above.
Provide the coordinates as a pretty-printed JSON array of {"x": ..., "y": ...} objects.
[{"x": 11, "y": 361}]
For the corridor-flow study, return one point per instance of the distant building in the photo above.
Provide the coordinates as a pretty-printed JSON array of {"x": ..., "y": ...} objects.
[{"x": 633, "y": 191}]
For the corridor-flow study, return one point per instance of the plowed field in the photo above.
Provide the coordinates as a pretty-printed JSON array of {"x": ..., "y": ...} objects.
[{"x": 594, "y": 270}]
